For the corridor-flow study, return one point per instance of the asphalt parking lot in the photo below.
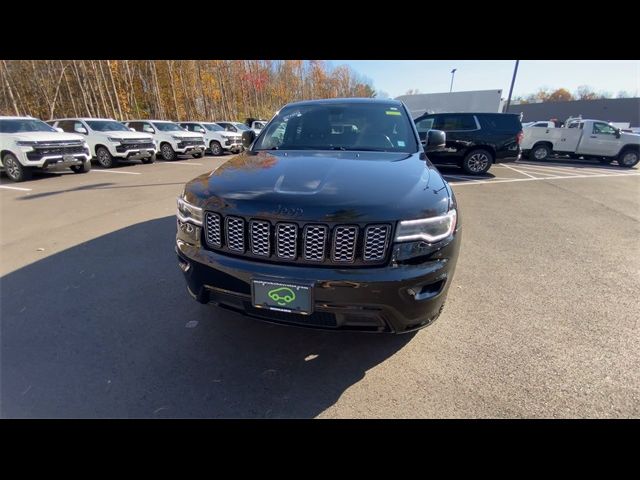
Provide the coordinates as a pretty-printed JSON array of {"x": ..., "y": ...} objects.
[{"x": 541, "y": 319}]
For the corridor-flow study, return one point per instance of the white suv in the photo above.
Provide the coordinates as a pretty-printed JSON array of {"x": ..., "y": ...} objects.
[
  {"x": 171, "y": 138},
  {"x": 109, "y": 140},
  {"x": 215, "y": 137},
  {"x": 27, "y": 143},
  {"x": 234, "y": 127}
]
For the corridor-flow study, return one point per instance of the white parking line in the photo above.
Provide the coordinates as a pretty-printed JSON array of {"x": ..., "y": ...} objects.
[
  {"x": 518, "y": 171},
  {"x": 574, "y": 166},
  {"x": 115, "y": 171},
  {"x": 575, "y": 170},
  {"x": 181, "y": 164},
  {"x": 551, "y": 172},
  {"x": 539, "y": 179},
  {"x": 16, "y": 188}
]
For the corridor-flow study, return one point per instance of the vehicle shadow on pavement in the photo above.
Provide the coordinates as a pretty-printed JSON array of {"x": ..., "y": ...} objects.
[{"x": 106, "y": 329}]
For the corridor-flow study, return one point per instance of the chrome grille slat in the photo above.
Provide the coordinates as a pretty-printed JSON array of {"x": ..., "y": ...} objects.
[
  {"x": 344, "y": 243},
  {"x": 287, "y": 240},
  {"x": 260, "y": 237},
  {"x": 315, "y": 239},
  {"x": 235, "y": 234},
  {"x": 213, "y": 229},
  {"x": 376, "y": 239},
  {"x": 326, "y": 244}
]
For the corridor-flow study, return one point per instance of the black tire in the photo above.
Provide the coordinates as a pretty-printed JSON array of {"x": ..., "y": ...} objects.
[
  {"x": 477, "y": 162},
  {"x": 105, "y": 159},
  {"x": 628, "y": 158},
  {"x": 14, "y": 169},
  {"x": 167, "y": 152},
  {"x": 84, "y": 168},
  {"x": 216, "y": 148},
  {"x": 197, "y": 155},
  {"x": 540, "y": 152},
  {"x": 150, "y": 159}
]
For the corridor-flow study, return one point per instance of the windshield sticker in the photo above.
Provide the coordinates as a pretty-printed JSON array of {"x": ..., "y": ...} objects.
[
  {"x": 392, "y": 112},
  {"x": 400, "y": 143}
]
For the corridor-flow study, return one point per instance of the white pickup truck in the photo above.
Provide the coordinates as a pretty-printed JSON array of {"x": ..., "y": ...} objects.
[{"x": 593, "y": 139}]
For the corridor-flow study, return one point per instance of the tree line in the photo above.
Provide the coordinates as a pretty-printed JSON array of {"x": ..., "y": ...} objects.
[
  {"x": 169, "y": 89},
  {"x": 583, "y": 92}
]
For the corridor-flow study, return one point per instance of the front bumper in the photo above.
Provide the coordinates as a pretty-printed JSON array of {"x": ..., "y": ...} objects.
[
  {"x": 134, "y": 152},
  {"x": 53, "y": 161},
  {"x": 189, "y": 148},
  {"x": 397, "y": 299}
]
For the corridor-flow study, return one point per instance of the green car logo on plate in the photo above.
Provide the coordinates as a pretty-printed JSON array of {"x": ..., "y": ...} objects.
[{"x": 282, "y": 295}]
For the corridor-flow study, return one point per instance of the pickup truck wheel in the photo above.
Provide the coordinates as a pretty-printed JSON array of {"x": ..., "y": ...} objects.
[
  {"x": 167, "y": 152},
  {"x": 15, "y": 170},
  {"x": 150, "y": 159},
  {"x": 477, "y": 162},
  {"x": 105, "y": 159},
  {"x": 84, "y": 168},
  {"x": 216, "y": 148},
  {"x": 541, "y": 152},
  {"x": 628, "y": 158}
]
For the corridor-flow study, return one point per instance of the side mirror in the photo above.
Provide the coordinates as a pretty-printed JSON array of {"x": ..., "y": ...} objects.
[
  {"x": 618, "y": 134},
  {"x": 132, "y": 129},
  {"x": 58, "y": 129},
  {"x": 436, "y": 140},
  {"x": 81, "y": 130},
  {"x": 248, "y": 136}
]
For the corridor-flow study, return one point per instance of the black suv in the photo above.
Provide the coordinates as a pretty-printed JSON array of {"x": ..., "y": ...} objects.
[
  {"x": 333, "y": 217},
  {"x": 474, "y": 140}
]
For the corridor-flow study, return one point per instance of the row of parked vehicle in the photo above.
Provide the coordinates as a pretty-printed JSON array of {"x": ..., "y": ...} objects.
[
  {"x": 475, "y": 141},
  {"x": 27, "y": 143}
]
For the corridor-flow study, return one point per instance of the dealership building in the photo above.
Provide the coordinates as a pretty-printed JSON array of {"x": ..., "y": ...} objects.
[{"x": 617, "y": 110}]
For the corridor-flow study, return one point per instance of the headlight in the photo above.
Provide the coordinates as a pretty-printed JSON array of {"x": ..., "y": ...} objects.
[
  {"x": 430, "y": 230},
  {"x": 227, "y": 136},
  {"x": 26, "y": 144},
  {"x": 114, "y": 140},
  {"x": 189, "y": 213},
  {"x": 176, "y": 137}
]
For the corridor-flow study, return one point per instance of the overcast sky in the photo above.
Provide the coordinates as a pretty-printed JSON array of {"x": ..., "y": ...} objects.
[{"x": 395, "y": 77}]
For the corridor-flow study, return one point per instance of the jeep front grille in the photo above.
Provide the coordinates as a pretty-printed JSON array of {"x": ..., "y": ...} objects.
[
  {"x": 376, "y": 238},
  {"x": 235, "y": 234},
  {"x": 298, "y": 242}
]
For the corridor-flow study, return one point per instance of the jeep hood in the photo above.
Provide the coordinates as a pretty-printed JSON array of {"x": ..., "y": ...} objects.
[{"x": 323, "y": 186}]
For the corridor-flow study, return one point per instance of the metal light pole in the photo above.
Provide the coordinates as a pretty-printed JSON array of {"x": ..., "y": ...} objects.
[
  {"x": 513, "y": 81},
  {"x": 453, "y": 72}
]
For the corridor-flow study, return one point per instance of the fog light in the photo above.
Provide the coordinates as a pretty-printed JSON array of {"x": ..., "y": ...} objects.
[{"x": 184, "y": 266}]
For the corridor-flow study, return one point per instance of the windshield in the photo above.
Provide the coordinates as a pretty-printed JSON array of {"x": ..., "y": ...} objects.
[
  {"x": 240, "y": 126},
  {"x": 213, "y": 127},
  {"x": 17, "y": 125},
  {"x": 168, "y": 127},
  {"x": 106, "y": 126},
  {"x": 340, "y": 126}
]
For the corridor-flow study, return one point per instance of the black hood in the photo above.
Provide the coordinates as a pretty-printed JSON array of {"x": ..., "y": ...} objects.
[{"x": 323, "y": 186}]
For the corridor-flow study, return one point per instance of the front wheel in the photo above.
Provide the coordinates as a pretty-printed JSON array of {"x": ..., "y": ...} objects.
[
  {"x": 541, "y": 152},
  {"x": 84, "y": 168},
  {"x": 628, "y": 158},
  {"x": 477, "y": 162},
  {"x": 216, "y": 148},
  {"x": 167, "y": 151},
  {"x": 15, "y": 170},
  {"x": 105, "y": 159}
]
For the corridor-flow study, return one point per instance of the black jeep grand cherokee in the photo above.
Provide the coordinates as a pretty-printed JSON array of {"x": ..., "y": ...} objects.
[{"x": 333, "y": 217}]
